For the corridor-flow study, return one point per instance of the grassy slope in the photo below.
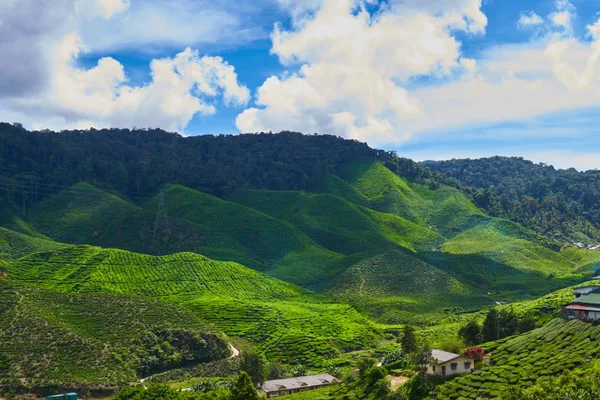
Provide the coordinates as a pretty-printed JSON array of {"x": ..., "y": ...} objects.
[
  {"x": 338, "y": 224},
  {"x": 81, "y": 339},
  {"x": 556, "y": 348},
  {"x": 444, "y": 209},
  {"x": 397, "y": 287},
  {"x": 284, "y": 320},
  {"x": 279, "y": 248},
  {"x": 15, "y": 245},
  {"x": 86, "y": 215}
]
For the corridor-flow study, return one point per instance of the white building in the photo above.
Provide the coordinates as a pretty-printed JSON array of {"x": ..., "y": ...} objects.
[{"x": 445, "y": 363}]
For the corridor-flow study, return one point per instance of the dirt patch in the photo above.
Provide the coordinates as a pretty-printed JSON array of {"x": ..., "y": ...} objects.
[{"x": 397, "y": 381}]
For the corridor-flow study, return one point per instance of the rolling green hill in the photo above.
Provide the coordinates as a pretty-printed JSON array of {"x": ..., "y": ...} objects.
[
  {"x": 95, "y": 341},
  {"x": 339, "y": 225},
  {"x": 397, "y": 287},
  {"x": 445, "y": 209},
  {"x": 285, "y": 321}
]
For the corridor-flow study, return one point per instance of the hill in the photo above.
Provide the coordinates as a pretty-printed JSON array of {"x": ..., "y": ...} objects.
[
  {"x": 561, "y": 204},
  {"x": 94, "y": 341},
  {"x": 285, "y": 321}
]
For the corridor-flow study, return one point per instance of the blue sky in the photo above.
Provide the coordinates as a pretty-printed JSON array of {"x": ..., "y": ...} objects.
[{"x": 431, "y": 79}]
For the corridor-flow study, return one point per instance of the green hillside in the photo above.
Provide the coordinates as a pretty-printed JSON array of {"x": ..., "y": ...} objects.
[
  {"x": 15, "y": 245},
  {"x": 445, "y": 209},
  {"x": 494, "y": 239},
  {"x": 96, "y": 341},
  {"x": 340, "y": 225},
  {"x": 558, "y": 347},
  {"x": 285, "y": 321},
  {"x": 83, "y": 214},
  {"x": 272, "y": 245},
  {"x": 397, "y": 287}
]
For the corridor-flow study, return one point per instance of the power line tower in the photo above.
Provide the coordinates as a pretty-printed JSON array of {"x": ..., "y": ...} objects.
[{"x": 159, "y": 222}]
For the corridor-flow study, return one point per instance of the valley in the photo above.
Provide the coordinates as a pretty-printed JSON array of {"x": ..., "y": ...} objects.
[{"x": 307, "y": 270}]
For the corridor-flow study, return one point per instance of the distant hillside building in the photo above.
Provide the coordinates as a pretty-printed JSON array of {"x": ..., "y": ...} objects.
[
  {"x": 446, "y": 363},
  {"x": 280, "y": 387},
  {"x": 586, "y": 305}
]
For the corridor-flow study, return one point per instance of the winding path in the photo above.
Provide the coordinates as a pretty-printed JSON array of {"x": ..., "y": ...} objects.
[{"x": 235, "y": 352}]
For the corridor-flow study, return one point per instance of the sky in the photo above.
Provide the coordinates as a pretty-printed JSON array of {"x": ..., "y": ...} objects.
[{"x": 431, "y": 79}]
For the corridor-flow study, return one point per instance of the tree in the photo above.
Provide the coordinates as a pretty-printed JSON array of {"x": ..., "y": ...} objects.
[
  {"x": 299, "y": 370},
  {"x": 364, "y": 366},
  {"x": 409, "y": 340},
  {"x": 490, "y": 326},
  {"x": 253, "y": 365},
  {"x": 276, "y": 371},
  {"x": 243, "y": 388},
  {"x": 471, "y": 333}
]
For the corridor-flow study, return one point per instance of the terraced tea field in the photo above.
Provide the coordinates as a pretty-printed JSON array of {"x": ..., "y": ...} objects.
[
  {"x": 285, "y": 321},
  {"x": 558, "y": 347},
  {"x": 397, "y": 287},
  {"x": 94, "y": 340}
]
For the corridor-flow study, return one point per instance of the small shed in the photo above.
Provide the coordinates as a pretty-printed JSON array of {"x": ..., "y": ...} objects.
[{"x": 446, "y": 363}]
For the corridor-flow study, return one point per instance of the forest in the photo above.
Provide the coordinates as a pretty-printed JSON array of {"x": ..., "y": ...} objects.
[{"x": 558, "y": 203}]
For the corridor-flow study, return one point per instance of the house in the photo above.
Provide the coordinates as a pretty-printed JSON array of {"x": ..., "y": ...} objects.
[
  {"x": 445, "y": 363},
  {"x": 279, "y": 387},
  {"x": 585, "y": 307}
]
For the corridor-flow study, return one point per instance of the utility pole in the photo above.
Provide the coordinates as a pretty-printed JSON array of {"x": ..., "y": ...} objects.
[{"x": 161, "y": 211}]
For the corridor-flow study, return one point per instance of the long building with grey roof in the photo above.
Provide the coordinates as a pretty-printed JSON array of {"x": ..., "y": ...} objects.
[{"x": 280, "y": 387}]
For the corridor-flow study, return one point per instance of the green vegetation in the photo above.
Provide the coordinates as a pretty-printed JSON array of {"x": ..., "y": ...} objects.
[
  {"x": 553, "y": 349},
  {"x": 397, "y": 287},
  {"x": 285, "y": 321},
  {"x": 94, "y": 340},
  {"x": 561, "y": 204}
]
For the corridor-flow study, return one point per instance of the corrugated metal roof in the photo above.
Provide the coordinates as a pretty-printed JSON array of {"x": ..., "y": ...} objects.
[
  {"x": 301, "y": 382},
  {"x": 577, "y": 307},
  {"x": 443, "y": 356}
]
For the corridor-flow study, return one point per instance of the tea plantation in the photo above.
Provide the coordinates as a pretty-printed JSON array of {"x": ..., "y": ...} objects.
[
  {"x": 285, "y": 321},
  {"x": 96, "y": 341},
  {"x": 558, "y": 347}
]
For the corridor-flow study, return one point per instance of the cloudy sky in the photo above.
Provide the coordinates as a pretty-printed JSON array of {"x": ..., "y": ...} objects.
[{"x": 432, "y": 79}]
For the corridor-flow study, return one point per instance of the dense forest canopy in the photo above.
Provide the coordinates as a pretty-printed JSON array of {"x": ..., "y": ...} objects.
[
  {"x": 137, "y": 163},
  {"x": 563, "y": 204}
]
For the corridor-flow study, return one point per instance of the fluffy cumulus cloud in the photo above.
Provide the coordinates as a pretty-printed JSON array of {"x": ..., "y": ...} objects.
[
  {"x": 355, "y": 63},
  {"x": 355, "y": 67},
  {"x": 65, "y": 95},
  {"x": 530, "y": 19},
  {"x": 564, "y": 14}
]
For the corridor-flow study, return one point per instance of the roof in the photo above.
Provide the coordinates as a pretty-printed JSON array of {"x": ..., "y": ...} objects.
[
  {"x": 592, "y": 298},
  {"x": 298, "y": 383},
  {"x": 582, "y": 307},
  {"x": 443, "y": 356}
]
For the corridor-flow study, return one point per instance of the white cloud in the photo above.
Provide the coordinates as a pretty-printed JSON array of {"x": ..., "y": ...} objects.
[
  {"x": 564, "y": 14},
  {"x": 150, "y": 26},
  {"x": 181, "y": 87},
  {"x": 354, "y": 63},
  {"x": 530, "y": 19},
  {"x": 69, "y": 96},
  {"x": 355, "y": 66}
]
